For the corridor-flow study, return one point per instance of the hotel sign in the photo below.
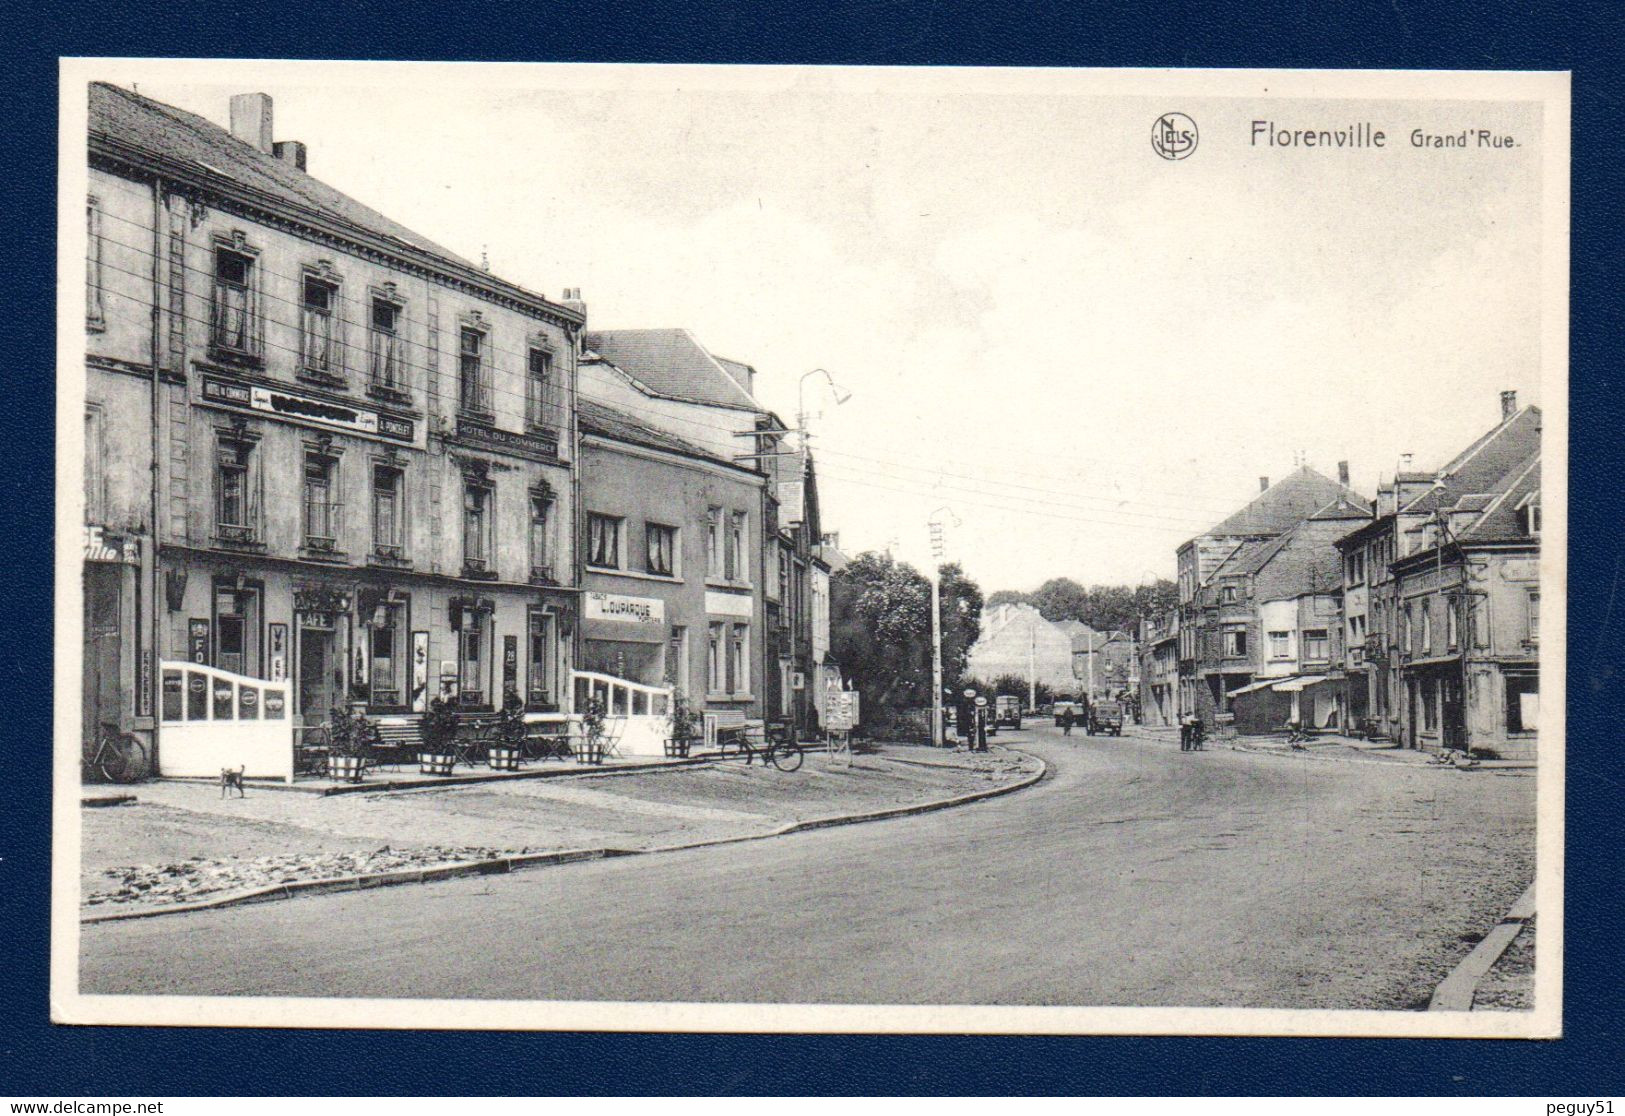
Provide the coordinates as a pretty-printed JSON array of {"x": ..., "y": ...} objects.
[
  {"x": 307, "y": 409},
  {"x": 626, "y": 610}
]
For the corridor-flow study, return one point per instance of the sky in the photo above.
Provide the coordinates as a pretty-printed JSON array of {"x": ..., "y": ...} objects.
[{"x": 1074, "y": 353}]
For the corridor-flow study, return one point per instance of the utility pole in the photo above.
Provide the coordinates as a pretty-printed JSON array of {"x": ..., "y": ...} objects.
[
  {"x": 938, "y": 552},
  {"x": 1032, "y": 671},
  {"x": 1089, "y": 695}
]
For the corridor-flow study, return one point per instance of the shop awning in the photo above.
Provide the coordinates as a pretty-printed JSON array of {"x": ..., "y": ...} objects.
[
  {"x": 1300, "y": 683},
  {"x": 1264, "y": 685}
]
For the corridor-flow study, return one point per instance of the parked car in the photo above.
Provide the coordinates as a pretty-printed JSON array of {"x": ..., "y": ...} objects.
[
  {"x": 1106, "y": 716},
  {"x": 1007, "y": 711}
]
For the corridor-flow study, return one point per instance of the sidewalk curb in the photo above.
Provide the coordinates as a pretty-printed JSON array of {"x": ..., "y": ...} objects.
[
  {"x": 1456, "y": 991},
  {"x": 1310, "y": 753},
  {"x": 93, "y": 801},
  {"x": 502, "y": 865}
]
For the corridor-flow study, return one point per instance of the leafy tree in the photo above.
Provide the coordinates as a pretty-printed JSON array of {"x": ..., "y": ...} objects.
[
  {"x": 961, "y": 621},
  {"x": 880, "y": 630},
  {"x": 1006, "y": 596},
  {"x": 1060, "y": 598}
]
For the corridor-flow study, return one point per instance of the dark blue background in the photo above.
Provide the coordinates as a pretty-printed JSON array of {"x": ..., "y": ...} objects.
[{"x": 39, "y": 1059}]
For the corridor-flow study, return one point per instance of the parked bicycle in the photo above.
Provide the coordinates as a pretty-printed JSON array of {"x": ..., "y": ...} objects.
[
  {"x": 114, "y": 756},
  {"x": 779, "y": 747}
]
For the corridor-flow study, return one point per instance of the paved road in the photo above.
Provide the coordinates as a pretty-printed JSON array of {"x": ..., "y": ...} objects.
[{"x": 1135, "y": 875}]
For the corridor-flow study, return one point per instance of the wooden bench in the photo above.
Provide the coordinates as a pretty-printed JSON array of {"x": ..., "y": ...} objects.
[{"x": 400, "y": 739}]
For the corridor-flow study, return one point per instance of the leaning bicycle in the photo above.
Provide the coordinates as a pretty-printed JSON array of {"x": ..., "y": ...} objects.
[
  {"x": 114, "y": 756},
  {"x": 782, "y": 749}
]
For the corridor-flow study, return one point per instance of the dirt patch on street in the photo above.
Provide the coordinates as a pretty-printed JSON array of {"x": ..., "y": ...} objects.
[{"x": 183, "y": 843}]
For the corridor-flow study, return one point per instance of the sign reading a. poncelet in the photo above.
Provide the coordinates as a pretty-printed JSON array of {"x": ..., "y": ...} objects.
[{"x": 627, "y": 610}]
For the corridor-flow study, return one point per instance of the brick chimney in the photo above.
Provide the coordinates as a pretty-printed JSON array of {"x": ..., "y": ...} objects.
[
  {"x": 1263, "y": 484},
  {"x": 251, "y": 120},
  {"x": 1343, "y": 473},
  {"x": 1509, "y": 404},
  {"x": 291, "y": 152}
]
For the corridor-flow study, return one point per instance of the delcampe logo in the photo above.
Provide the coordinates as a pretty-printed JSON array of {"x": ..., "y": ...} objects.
[{"x": 1173, "y": 136}]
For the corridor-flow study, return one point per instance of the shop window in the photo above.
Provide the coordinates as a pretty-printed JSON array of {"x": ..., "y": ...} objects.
[
  {"x": 472, "y": 637},
  {"x": 386, "y": 645},
  {"x": 476, "y": 528},
  {"x": 237, "y": 485},
  {"x": 384, "y": 345},
  {"x": 677, "y": 658},
  {"x": 319, "y": 342},
  {"x": 1316, "y": 644},
  {"x": 661, "y": 549},
  {"x": 1430, "y": 708},
  {"x": 541, "y": 548},
  {"x": 473, "y": 391},
  {"x": 1280, "y": 645},
  {"x": 604, "y": 541},
  {"x": 93, "y": 262},
  {"x": 543, "y": 410},
  {"x": 237, "y": 629},
  {"x": 322, "y": 507},
  {"x": 1523, "y": 702},
  {"x": 715, "y": 679},
  {"x": 233, "y": 322},
  {"x": 539, "y": 676},
  {"x": 388, "y": 501}
]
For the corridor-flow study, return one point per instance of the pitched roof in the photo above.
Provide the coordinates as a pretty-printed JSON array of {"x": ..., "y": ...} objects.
[
  {"x": 672, "y": 363},
  {"x": 608, "y": 422},
  {"x": 1248, "y": 558},
  {"x": 1502, "y": 518},
  {"x": 1481, "y": 465},
  {"x": 1283, "y": 505},
  {"x": 185, "y": 137}
]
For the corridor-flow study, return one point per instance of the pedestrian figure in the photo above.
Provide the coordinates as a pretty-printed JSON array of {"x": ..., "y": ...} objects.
[
  {"x": 965, "y": 718},
  {"x": 980, "y": 713},
  {"x": 1066, "y": 721}
]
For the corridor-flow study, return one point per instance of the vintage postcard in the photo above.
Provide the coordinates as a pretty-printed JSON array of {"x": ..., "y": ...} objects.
[{"x": 811, "y": 549}]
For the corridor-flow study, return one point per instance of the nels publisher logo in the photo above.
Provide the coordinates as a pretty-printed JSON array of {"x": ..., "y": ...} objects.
[{"x": 1173, "y": 136}]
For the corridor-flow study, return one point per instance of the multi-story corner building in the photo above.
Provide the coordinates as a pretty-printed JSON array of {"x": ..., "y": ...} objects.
[
  {"x": 1376, "y": 637},
  {"x": 1159, "y": 668},
  {"x": 670, "y": 569},
  {"x": 674, "y": 384},
  {"x": 1217, "y": 636},
  {"x": 1467, "y": 597},
  {"x": 1272, "y": 615},
  {"x": 364, "y": 443}
]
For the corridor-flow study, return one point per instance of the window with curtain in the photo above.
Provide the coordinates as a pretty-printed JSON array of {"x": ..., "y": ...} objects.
[
  {"x": 232, "y": 324},
  {"x": 604, "y": 541},
  {"x": 662, "y": 549}
]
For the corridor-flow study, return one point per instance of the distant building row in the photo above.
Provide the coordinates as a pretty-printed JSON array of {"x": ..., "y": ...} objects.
[{"x": 1415, "y": 617}]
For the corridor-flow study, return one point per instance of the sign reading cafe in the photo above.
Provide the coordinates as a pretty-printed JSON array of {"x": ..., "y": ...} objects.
[{"x": 627, "y": 610}]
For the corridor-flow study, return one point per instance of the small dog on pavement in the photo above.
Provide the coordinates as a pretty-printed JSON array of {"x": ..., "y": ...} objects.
[{"x": 230, "y": 779}]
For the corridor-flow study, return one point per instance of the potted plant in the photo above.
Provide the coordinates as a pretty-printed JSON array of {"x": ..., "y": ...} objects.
[
  {"x": 682, "y": 725},
  {"x": 350, "y": 737},
  {"x": 592, "y": 733},
  {"x": 504, "y": 752},
  {"x": 439, "y": 731}
]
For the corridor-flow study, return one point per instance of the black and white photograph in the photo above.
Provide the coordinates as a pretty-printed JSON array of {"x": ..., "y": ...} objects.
[{"x": 810, "y": 549}]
